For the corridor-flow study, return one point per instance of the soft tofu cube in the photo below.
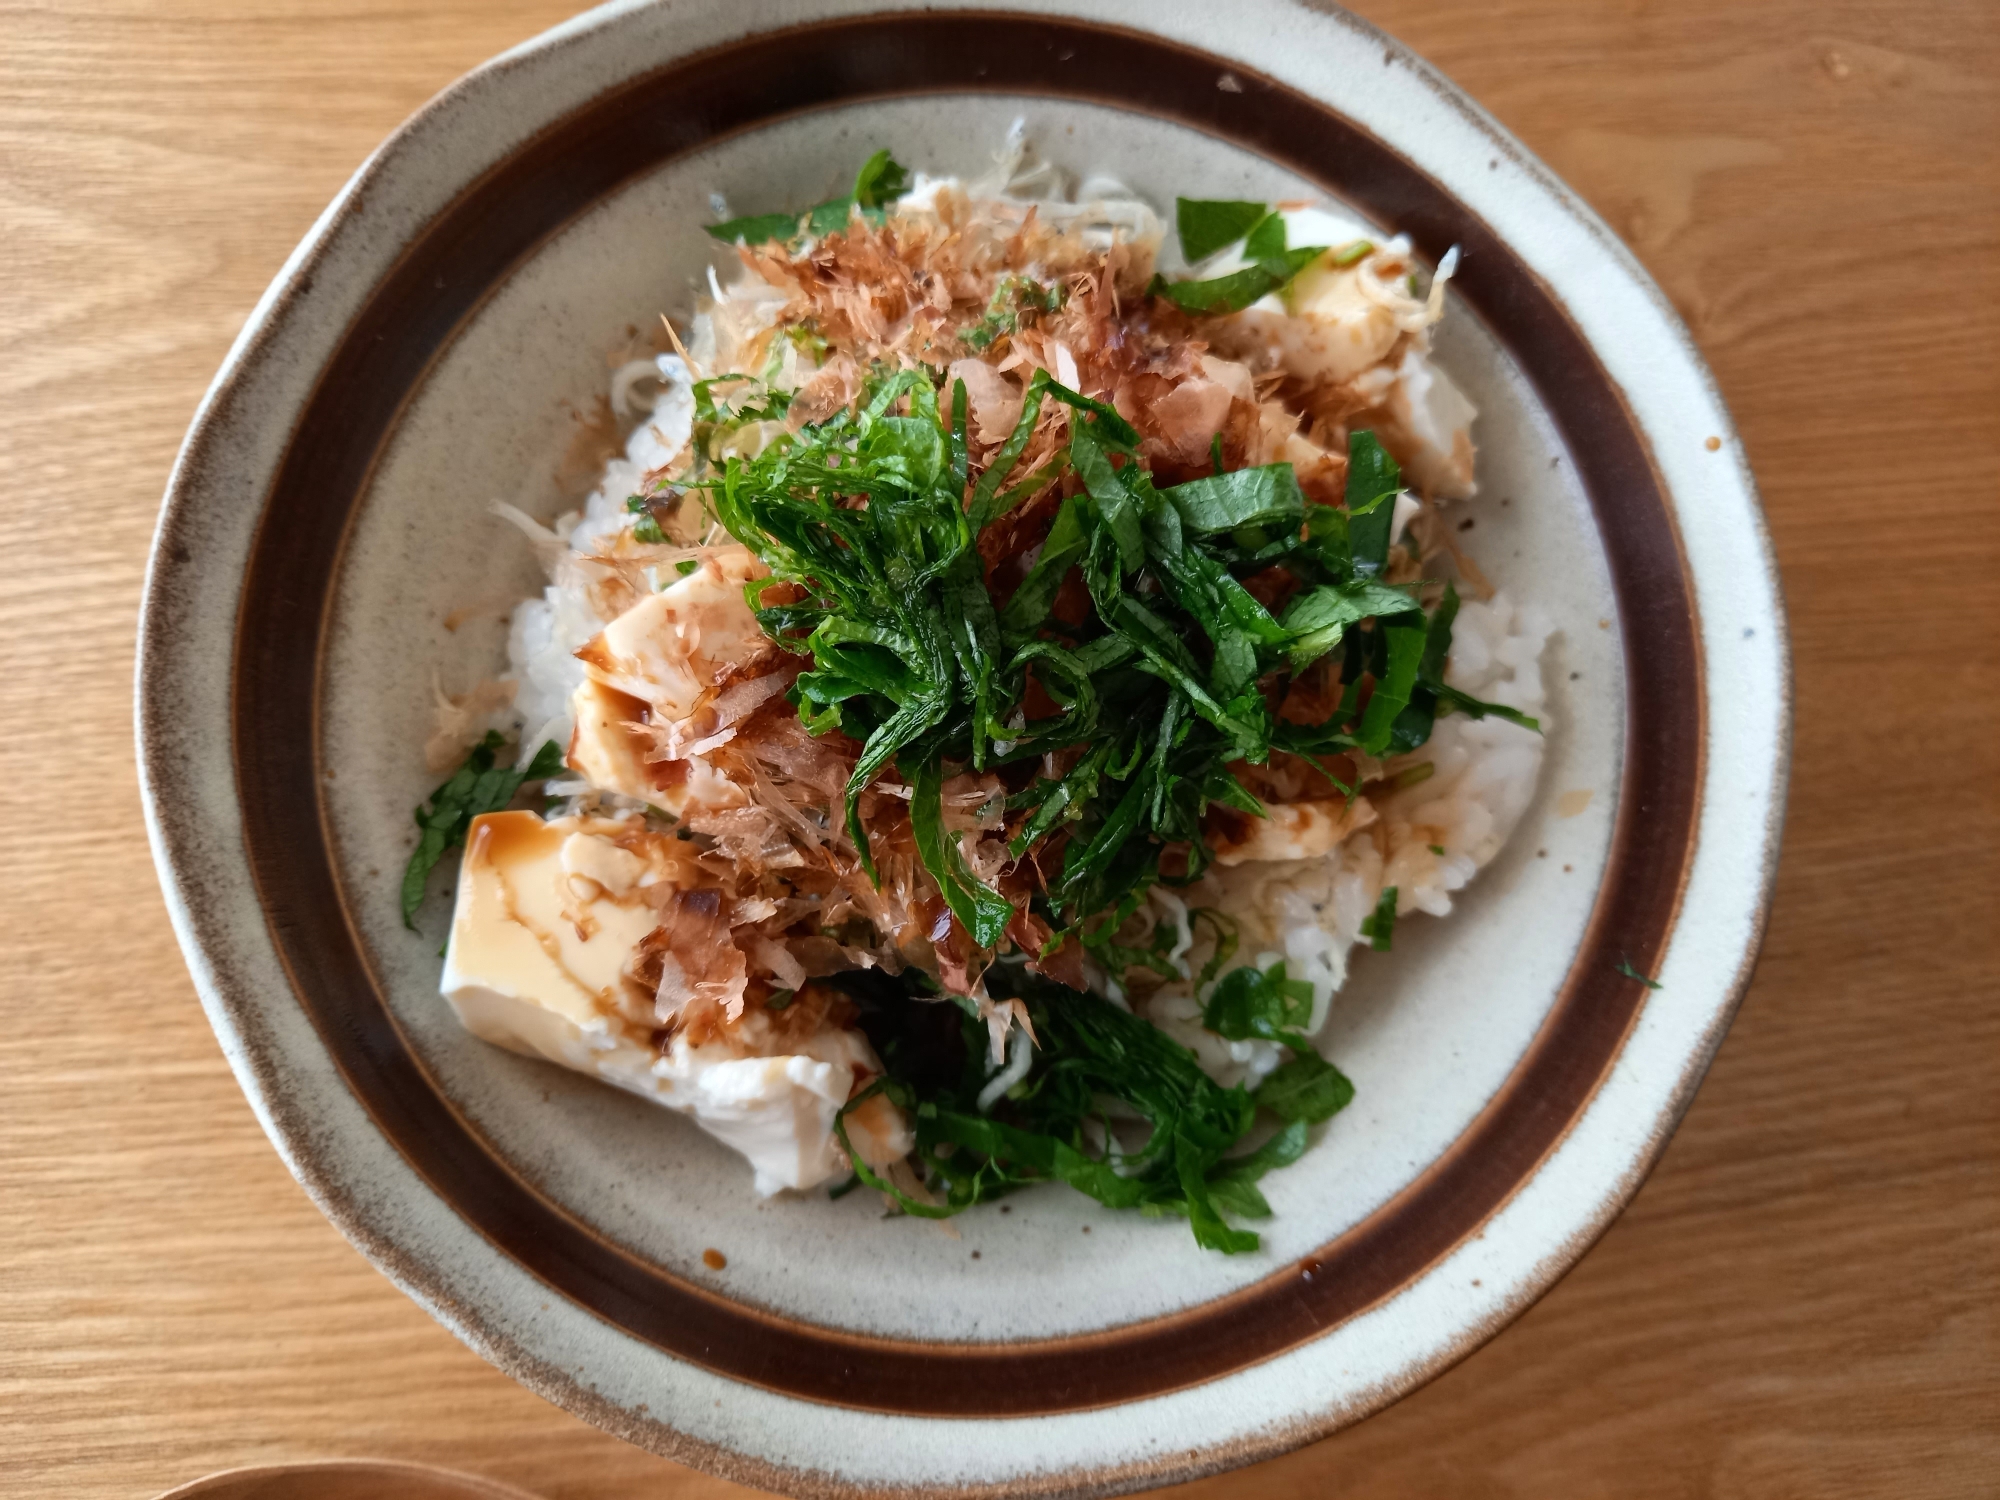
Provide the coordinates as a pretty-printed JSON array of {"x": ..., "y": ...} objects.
[
  {"x": 776, "y": 1111},
  {"x": 1434, "y": 419},
  {"x": 611, "y": 756},
  {"x": 520, "y": 973},
  {"x": 672, "y": 647},
  {"x": 1335, "y": 331},
  {"x": 779, "y": 1111},
  {"x": 603, "y": 749},
  {"x": 1321, "y": 326},
  {"x": 547, "y": 915}
]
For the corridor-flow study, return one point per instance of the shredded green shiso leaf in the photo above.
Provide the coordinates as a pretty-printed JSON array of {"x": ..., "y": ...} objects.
[
  {"x": 1379, "y": 926},
  {"x": 881, "y": 181},
  {"x": 481, "y": 785},
  {"x": 1112, "y": 1106},
  {"x": 1209, "y": 225}
]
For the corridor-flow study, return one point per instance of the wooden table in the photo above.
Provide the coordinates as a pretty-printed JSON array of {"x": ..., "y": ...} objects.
[{"x": 1800, "y": 1302}]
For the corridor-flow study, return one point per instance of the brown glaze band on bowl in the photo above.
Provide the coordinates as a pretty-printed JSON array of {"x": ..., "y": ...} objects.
[{"x": 476, "y": 243}]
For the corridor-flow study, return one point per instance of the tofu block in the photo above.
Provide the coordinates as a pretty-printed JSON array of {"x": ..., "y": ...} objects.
[
  {"x": 603, "y": 750},
  {"x": 548, "y": 914},
  {"x": 672, "y": 647}
]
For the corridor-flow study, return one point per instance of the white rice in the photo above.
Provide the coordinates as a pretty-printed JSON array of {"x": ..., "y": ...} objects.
[{"x": 546, "y": 632}]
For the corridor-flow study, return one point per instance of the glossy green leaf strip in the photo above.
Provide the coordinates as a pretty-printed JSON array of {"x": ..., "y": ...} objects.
[
  {"x": 1265, "y": 239},
  {"x": 1305, "y": 1089},
  {"x": 879, "y": 183},
  {"x": 1207, "y": 225},
  {"x": 1373, "y": 481},
  {"x": 1240, "y": 288},
  {"x": 480, "y": 785},
  {"x": 1260, "y": 1003},
  {"x": 982, "y": 911},
  {"x": 1063, "y": 550},
  {"x": 1267, "y": 496},
  {"x": 983, "y": 509},
  {"x": 1393, "y": 688},
  {"x": 756, "y": 229},
  {"x": 1234, "y": 1190},
  {"x": 1318, "y": 618},
  {"x": 1473, "y": 708},
  {"x": 1379, "y": 926}
]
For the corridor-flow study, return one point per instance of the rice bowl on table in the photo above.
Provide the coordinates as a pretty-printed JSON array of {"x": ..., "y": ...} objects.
[{"x": 1096, "y": 719}]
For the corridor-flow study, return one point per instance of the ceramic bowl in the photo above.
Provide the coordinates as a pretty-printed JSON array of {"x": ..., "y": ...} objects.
[{"x": 326, "y": 555}]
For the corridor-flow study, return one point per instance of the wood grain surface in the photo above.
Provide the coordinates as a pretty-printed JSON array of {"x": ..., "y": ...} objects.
[{"x": 1801, "y": 1302}]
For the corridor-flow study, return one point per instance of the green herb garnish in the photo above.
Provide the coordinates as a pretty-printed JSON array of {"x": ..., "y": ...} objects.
[
  {"x": 647, "y": 527},
  {"x": 1306, "y": 1089},
  {"x": 881, "y": 181},
  {"x": 1111, "y": 1104},
  {"x": 1625, "y": 968},
  {"x": 1015, "y": 298},
  {"x": 478, "y": 786},
  {"x": 1060, "y": 1122},
  {"x": 758, "y": 229},
  {"x": 1267, "y": 1004},
  {"x": 1379, "y": 927},
  {"x": 1260, "y": 1003},
  {"x": 1207, "y": 226}
]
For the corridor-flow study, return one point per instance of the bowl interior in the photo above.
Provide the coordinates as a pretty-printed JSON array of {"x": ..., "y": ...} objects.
[{"x": 510, "y": 410}]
